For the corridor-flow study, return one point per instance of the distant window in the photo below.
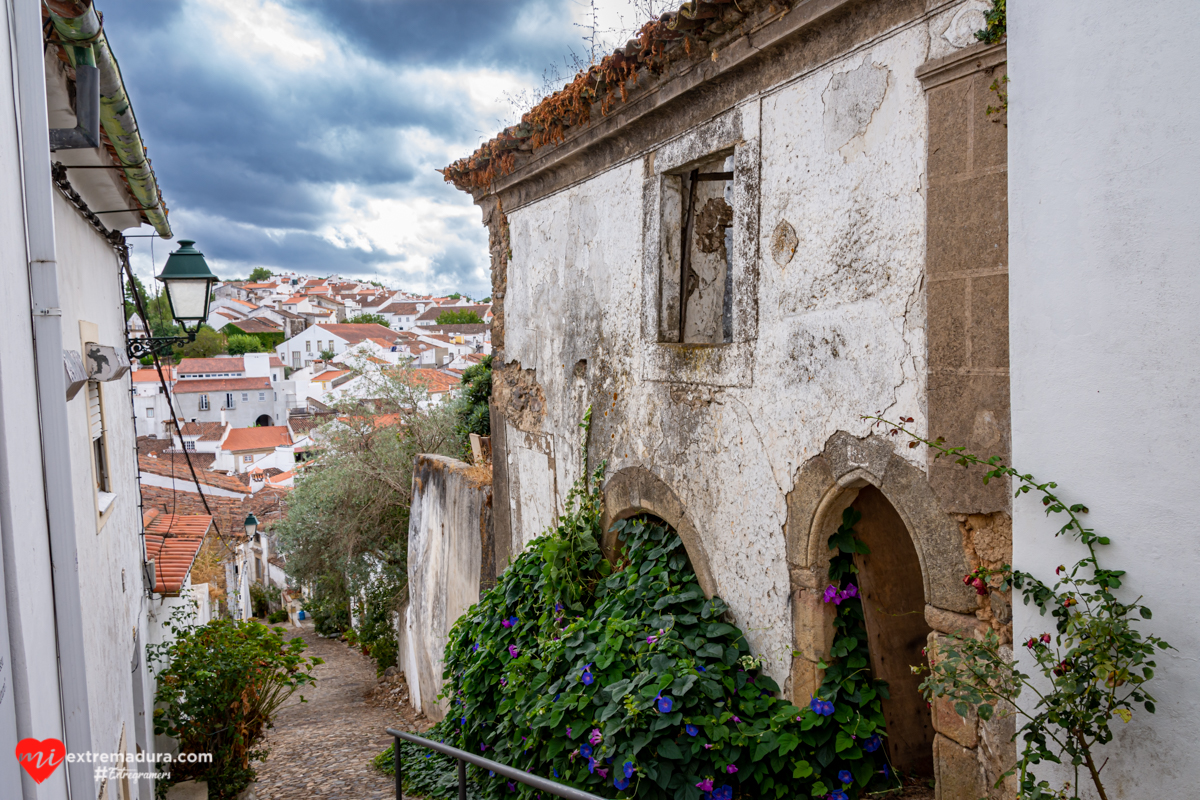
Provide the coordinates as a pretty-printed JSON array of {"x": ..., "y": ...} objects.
[
  {"x": 246, "y": 397},
  {"x": 204, "y": 402},
  {"x": 308, "y": 346},
  {"x": 262, "y": 396},
  {"x": 247, "y": 459},
  {"x": 229, "y": 399},
  {"x": 149, "y": 413}
]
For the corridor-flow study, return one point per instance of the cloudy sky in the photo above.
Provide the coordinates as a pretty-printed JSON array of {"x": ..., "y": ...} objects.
[{"x": 304, "y": 134}]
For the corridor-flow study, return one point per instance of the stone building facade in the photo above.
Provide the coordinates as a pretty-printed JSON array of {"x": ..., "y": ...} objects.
[{"x": 799, "y": 220}]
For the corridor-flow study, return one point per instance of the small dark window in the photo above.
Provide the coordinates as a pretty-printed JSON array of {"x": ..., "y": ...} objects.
[{"x": 697, "y": 280}]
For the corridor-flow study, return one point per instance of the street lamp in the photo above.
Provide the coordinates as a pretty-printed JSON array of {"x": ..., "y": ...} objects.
[
  {"x": 188, "y": 282},
  {"x": 251, "y": 525}
]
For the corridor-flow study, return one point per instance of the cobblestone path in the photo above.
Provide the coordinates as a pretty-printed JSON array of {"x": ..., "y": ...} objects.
[{"x": 323, "y": 748}]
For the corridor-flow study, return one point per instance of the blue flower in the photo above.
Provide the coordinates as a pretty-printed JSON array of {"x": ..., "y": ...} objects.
[
  {"x": 665, "y": 704},
  {"x": 463, "y": 720},
  {"x": 887, "y": 773},
  {"x": 587, "y": 679},
  {"x": 692, "y": 730},
  {"x": 491, "y": 773},
  {"x": 628, "y": 769},
  {"x": 872, "y": 743},
  {"x": 838, "y": 795},
  {"x": 591, "y": 765},
  {"x": 557, "y": 696},
  {"x": 621, "y": 782},
  {"x": 723, "y": 792},
  {"x": 702, "y": 669},
  {"x": 585, "y": 750},
  {"x": 555, "y": 771},
  {"x": 845, "y": 777},
  {"x": 512, "y": 621}
]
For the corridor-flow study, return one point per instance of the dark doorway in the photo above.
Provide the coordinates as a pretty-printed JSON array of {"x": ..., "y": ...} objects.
[
  {"x": 894, "y": 606},
  {"x": 263, "y": 421}
]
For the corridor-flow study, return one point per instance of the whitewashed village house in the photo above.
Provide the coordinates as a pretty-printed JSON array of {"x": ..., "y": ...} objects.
[
  {"x": 802, "y": 217},
  {"x": 78, "y": 590}
]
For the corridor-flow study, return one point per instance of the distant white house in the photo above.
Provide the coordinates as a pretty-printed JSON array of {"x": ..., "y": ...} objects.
[
  {"x": 245, "y": 449},
  {"x": 306, "y": 347}
]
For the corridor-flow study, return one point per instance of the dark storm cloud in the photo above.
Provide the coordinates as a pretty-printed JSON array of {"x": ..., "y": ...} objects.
[{"x": 237, "y": 153}]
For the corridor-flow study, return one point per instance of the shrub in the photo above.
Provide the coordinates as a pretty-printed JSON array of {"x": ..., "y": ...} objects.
[
  {"x": 276, "y": 617},
  {"x": 219, "y": 688},
  {"x": 459, "y": 317},
  {"x": 628, "y": 680},
  {"x": 473, "y": 414}
]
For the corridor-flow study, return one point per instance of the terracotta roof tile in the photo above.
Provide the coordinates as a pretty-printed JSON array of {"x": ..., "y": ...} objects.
[
  {"x": 256, "y": 325},
  {"x": 196, "y": 385},
  {"x": 207, "y": 431},
  {"x": 177, "y": 468},
  {"x": 267, "y": 437},
  {"x": 203, "y": 366},
  {"x": 435, "y": 382},
  {"x": 357, "y": 332}
]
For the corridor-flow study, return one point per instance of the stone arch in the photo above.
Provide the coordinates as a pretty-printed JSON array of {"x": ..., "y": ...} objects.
[
  {"x": 264, "y": 420},
  {"x": 635, "y": 490},
  {"x": 828, "y": 484}
]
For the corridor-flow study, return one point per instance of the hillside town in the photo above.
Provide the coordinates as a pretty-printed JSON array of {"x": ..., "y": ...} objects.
[{"x": 809, "y": 416}]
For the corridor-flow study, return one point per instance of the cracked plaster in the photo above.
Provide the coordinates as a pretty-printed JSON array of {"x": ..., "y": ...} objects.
[{"x": 839, "y": 333}]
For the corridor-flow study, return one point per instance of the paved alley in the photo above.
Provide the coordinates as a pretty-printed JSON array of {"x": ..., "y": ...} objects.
[{"x": 323, "y": 748}]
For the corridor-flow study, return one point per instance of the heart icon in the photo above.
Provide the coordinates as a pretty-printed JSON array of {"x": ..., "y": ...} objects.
[{"x": 40, "y": 759}]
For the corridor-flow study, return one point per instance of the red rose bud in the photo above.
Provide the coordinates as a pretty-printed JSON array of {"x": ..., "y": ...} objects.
[
  {"x": 980, "y": 586},
  {"x": 1046, "y": 638}
]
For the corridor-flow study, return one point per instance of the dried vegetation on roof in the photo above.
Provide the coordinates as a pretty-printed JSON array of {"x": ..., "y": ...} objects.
[{"x": 680, "y": 35}]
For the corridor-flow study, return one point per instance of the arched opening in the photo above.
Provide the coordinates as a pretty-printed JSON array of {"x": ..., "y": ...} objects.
[
  {"x": 264, "y": 421},
  {"x": 894, "y": 607}
]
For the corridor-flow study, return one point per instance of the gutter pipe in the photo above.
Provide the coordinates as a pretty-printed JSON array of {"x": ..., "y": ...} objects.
[
  {"x": 80, "y": 29},
  {"x": 51, "y": 393}
]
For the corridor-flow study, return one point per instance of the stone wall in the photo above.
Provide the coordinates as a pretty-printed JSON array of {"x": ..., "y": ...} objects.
[{"x": 449, "y": 554}]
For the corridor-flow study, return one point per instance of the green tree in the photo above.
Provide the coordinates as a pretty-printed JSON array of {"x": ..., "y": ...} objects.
[
  {"x": 458, "y": 317},
  {"x": 219, "y": 687},
  {"x": 367, "y": 319},
  {"x": 208, "y": 343},
  {"x": 472, "y": 411},
  {"x": 259, "y": 274},
  {"x": 158, "y": 310},
  {"x": 327, "y": 355},
  {"x": 346, "y": 529},
  {"x": 241, "y": 343},
  {"x": 454, "y": 296}
]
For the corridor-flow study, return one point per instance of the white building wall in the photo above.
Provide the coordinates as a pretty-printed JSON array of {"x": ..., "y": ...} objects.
[
  {"x": 840, "y": 326},
  {"x": 109, "y": 549},
  {"x": 1104, "y": 323}
]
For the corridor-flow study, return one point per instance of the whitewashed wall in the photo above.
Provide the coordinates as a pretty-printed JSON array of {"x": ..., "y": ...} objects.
[
  {"x": 841, "y": 326},
  {"x": 1105, "y": 320}
]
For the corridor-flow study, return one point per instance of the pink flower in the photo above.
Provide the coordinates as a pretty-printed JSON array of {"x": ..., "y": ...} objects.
[
  {"x": 506, "y": 623},
  {"x": 831, "y": 593},
  {"x": 597, "y": 737},
  {"x": 513, "y": 651},
  {"x": 651, "y": 639},
  {"x": 732, "y": 768},
  {"x": 705, "y": 785},
  {"x": 737, "y": 719},
  {"x": 710, "y": 747},
  {"x": 603, "y": 773}
]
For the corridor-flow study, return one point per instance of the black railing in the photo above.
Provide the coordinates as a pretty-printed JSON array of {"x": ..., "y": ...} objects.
[{"x": 463, "y": 758}]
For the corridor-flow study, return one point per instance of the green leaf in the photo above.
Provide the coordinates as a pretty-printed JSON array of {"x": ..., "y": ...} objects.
[
  {"x": 801, "y": 769},
  {"x": 787, "y": 743},
  {"x": 668, "y": 749}
]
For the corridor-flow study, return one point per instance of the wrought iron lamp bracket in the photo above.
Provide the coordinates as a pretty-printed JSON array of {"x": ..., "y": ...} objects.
[{"x": 159, "y": 345}]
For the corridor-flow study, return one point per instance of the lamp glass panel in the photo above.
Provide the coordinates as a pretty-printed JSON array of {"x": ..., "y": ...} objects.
[{"x": 189, "y": 299}]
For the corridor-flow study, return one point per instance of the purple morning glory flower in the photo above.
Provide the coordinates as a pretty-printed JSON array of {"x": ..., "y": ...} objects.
[
  {"x": 621, "y": 782},
  {"x": 723, "y": 793},
  {"x": 504, "y": 681},
  {"x": 558, "y": 607},
  {"x": 831, "y": 593},
  {"x": 665, "y": 704},
  {"x": 705, "y": 785},
  {"x": 702, "y": 669},
  {"x": 845, "y": 777},
  {"x": 651, "y": 639},
  {"x": 482, "y": 747},
  {"x": 555, "y": 772},
  {"x": 587, "y": 679},
  {"x": 731, "y": 769},
  {"x": 512, "y": 621},
  {"x": 507, "y": 623},
  {"x": 513, "y": 651},
  {"x": 628, "y": 769},
  {"x": 491, "y": 773},
  {"x": 475, "y": 648},
  {"x": 872, "y": 744},
  {"x": 736, "y": 718},
  {"x": 829, "y": 709},
  {"x": 850, "y": 591},
  {"x": 585, "y": 750},
  {"x": 591, "y": 765},
  {"x": 512, "y": 787},
  {"x": 838, "y": 795},
  {"x": 603, "y": 773},
  {"x": 692, "y": 730},
  {"x": 597, "y": 737},
  {"x": 568, "y": 731}
]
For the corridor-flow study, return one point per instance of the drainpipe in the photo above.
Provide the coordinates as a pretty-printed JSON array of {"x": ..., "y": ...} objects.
[
  {"x": 78, "y": 26},
  {"x": 51, "y": 392}
]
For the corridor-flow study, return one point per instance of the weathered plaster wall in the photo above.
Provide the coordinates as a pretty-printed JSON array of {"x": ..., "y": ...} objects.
[
  {"x": 449, "y": 524},
  {"x": 1104, "y": 329},
  {"x": 835, "y": 327}
]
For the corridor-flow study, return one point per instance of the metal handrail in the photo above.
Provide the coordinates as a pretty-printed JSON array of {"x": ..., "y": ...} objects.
[{"x": 536, "y": 781}]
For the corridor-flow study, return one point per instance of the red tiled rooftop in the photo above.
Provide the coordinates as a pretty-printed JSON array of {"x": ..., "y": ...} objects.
[
  {"x": 197, "y": 385},
  {"x": 150, "y": 375},
  {"x": 207, "y": 431},
  {"x": 265, "y": 438},
  {"x": 435, "y": 382},
  {"x": 202, "y": 366},
  {"x": 172, "y": 542}
]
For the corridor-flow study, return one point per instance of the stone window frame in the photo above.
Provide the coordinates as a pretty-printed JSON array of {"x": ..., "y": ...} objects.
[{"x": 728, "y": 363}]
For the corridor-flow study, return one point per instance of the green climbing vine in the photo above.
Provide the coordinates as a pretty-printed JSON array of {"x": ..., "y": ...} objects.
[{"x": 624, "y": 679}]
